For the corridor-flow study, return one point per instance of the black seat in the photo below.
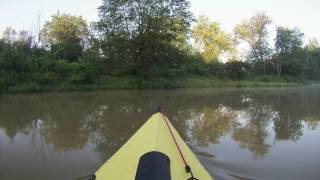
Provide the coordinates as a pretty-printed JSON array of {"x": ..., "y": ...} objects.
[{"x": 153, "y": 166}]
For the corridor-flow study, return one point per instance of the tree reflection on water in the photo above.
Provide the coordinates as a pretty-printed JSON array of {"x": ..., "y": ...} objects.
[{"x": 69, "y": 121}]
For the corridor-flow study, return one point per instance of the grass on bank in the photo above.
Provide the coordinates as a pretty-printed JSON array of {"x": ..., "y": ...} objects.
[{"x": 106, "y": 83}]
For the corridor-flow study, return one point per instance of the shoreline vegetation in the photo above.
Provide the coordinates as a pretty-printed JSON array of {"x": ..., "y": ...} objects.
[
  {"x": 153, "y": 45},
  {"x": 135, "y": 83}
]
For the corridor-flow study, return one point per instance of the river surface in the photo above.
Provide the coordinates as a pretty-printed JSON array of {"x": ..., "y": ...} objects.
[{"x": 237, "y": 133}]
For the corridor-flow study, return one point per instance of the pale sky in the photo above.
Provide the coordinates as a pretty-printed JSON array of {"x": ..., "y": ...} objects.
[{"x": 305, "y": 14}]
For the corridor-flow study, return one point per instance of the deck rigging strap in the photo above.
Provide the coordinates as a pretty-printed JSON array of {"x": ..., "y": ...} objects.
[{"x": 187, "y": 167}]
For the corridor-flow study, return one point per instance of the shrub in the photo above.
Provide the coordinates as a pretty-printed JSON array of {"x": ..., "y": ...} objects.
[
  {"x": 83, "y": 72},
  {"x": 217, "y": 69},
  {"x": 236, "y": 69}
]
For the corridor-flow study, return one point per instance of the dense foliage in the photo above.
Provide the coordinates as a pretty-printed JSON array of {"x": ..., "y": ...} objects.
[
  {"x": 142, "y": 35},
  {"x": 210, "y": 39},
  {"x": 151, "y": 39}
]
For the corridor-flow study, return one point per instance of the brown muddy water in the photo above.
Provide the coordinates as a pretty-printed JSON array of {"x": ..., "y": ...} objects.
[{"x": 237, "y": 133}]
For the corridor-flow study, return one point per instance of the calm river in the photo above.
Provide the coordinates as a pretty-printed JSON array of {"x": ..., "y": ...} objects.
[{"x": 237, "y": 133}]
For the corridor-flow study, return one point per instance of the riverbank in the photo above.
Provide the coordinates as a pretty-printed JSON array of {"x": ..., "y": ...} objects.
[{"x": 108, "y": 83}]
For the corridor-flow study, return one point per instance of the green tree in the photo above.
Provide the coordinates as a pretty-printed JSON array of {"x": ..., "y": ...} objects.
[
  {"x": 143, "y": 33},
  {"x": 287, "y": 42},
  {"x": 210, "y": 39},
  {"x": 65, "y": 34},
  {"x": 15, "y": 50},
  {"x": 255, "y": 33},
  {"x": 313, "y": 57}
]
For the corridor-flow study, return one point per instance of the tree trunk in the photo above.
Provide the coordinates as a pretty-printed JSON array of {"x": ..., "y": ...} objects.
[{"x": 278, "y": 67}]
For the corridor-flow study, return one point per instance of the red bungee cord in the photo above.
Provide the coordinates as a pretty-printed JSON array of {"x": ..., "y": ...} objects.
[{"x": 187, "y": 167}]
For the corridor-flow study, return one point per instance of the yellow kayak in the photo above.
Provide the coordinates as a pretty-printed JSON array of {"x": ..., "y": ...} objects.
[{"x": 155, "y": 152}]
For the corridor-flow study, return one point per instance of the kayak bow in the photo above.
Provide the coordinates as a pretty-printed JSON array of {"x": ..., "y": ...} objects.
[{"x": 155, "y": 152}]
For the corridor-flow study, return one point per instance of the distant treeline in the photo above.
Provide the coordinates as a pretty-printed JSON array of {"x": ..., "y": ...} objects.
[{"x": 152, "y": 39}]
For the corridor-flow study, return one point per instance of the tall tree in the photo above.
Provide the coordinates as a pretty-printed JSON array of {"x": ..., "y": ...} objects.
[
  {"x": 143, "y": 32},
  {"x": 9, "y": 35},
  {"x": 313, "y": 52},
  {"x": 25, "y": 38},
  {"x": 287, "y": 42},
  {"x": 210, "y": 39},
  {"x": 313, "y": 44},
  {"x": 255, "y": 33},
  {"x": 65, "y": 35}
]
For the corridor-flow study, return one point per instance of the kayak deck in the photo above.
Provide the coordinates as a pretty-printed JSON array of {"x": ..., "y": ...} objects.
[{"x": 152, "y": 149}]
